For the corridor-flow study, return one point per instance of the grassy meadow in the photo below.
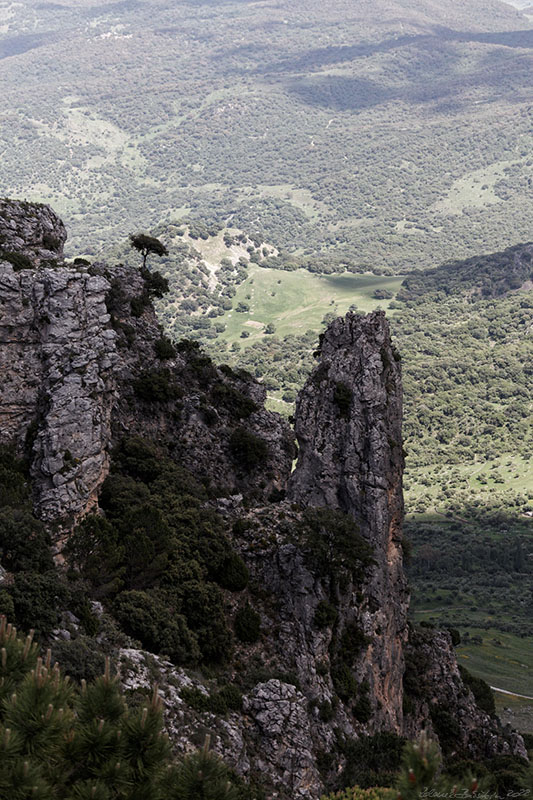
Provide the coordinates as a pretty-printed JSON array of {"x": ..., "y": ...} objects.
[{"x": 295, "y": 302}]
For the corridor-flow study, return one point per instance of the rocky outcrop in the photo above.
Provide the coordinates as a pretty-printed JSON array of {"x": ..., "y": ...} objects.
[
  {"x": 283, "y": 737},
  {"x": 348, "y": 426},
  {"x": 438, "y": 701},
  {"x": 57, "y": 356},
  {"x": 84, "y": 363},
  {"x": 32, "y": 231},
  {"x": 80, "y": 370},
  {"x": 210, "y": 418}
]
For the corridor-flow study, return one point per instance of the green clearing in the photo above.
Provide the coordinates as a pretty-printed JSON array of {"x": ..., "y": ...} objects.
[
  {"x": 297, "y": 301},
  {"x": 504, "y": 660},
  {"x": 424, "y": 484},
  {"x": 476, "y": 188}
]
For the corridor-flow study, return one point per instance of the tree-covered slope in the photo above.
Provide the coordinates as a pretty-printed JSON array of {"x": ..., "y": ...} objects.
[{"x": 381, "y": 136}]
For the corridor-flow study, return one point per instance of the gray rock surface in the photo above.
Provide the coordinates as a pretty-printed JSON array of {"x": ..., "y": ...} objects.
[
  {"x": 436, "y": 689},
  {"x": 348, "y": 426},
  {"x": 57, "y": 356},
  {"x": 67, "y": 382},
  {"x": 31, "y": 229},
  {"x": 75, "y": 346},
  {"x": 284, "y": 743}
]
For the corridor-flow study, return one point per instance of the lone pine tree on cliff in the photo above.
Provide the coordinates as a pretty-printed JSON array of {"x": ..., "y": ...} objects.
[{"x": 146, "y": 245}]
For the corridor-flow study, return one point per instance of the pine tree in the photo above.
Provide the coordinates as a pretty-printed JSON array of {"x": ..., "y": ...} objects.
[
  {"x": 58, "y": 743},
  {"x": 202, "y": 776},
  {"x": 421, "y": 771}
]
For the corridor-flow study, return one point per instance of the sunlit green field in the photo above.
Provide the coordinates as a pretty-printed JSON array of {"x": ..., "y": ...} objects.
[
  {"x": 297, "y": 301},
  {"x": 510, "y": 471}
]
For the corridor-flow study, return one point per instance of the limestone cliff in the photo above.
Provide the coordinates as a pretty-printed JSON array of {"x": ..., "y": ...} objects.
[
  {"x": 30, "y": 231},
  {"x": 79, "y": 370},
  {"x": 83, "y": 363},
  {"x": 348, "y": 425}
]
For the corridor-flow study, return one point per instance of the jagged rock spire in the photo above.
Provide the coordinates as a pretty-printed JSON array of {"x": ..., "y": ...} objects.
[{"x": 348, "y": 426}]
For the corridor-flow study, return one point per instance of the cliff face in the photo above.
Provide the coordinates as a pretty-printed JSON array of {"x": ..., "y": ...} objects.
[
  {"x": 348, "y": 425},
  {"x": 83, "y": 363},
  {"x": 32, "y": 231},
  {"x": 75, "y": 378},
  {"x": 57, "y": 356}
]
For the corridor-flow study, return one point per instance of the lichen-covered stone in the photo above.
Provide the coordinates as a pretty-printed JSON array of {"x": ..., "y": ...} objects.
[{"x": 32, "y": 230}]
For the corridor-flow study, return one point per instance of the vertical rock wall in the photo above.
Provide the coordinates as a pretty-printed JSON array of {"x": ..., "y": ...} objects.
[
  {"x": 348, "y": 426},
  {"x": 56, "y": 366}
]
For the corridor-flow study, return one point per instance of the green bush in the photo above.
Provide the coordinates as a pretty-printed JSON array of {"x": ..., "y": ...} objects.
[
  {"x": 228, "y": 698},
  {"x": 14, "y": 490},
  {"x": 17, "y": 260},
  {"x": 362, "y": 708},
  {"x": 238, "y": 404},
  {"x": 79, "y": 658},
  {"x": 202, "y": 605},
  {"x": 164, "y": 348},
  {"x": 147, "y": 618},
  {"x": 7, "y": 608},
  {"x": 353, "y": 640},
  {"x": 138, "y": 305},
  {"x": 37, "y": 599},
  {"x": 372, "y": 760},
  {"x": 156, "y": 386},
  {"x": 233, "y": 573},
  {"x": 480, "y": 689},
  {"x": 333, "y": 545},
  {"x": 154, "y": 283},
  {"x": 446, "y": 727},
  {"x": 247, "y": 624},
  {"x": 344, "y": 681},
  {"x": 248, "y": 450},
  {"x": 325, "y": 615},
  {"x": 24, "y": 542}
]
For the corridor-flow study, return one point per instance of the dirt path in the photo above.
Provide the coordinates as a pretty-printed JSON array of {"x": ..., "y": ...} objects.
[{"x": 513, "y": 694}]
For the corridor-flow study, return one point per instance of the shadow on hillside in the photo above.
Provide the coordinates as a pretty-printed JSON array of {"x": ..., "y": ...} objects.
[
  {"x": 16, "y": 45},
  {"x": 328, "y": 56},
  {"x": 436, "y": 81}
]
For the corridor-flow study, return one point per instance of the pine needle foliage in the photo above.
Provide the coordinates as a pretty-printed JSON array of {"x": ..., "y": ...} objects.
[
  {"x": 58, "y": 742},
  {"x": 202, "y": 776},
  {"x": 421, "y": 774}
]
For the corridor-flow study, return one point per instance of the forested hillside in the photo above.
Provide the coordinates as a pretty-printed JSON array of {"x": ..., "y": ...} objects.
[{"x": 383, "y": 136}]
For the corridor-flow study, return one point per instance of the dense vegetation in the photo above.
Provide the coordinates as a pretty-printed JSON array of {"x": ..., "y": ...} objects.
[
  {"x": 375, "y": 138},
  {"x": 62, "y": 743},
  {"x": 158, "y": 559},
  {"x": 416, "y": 770}
]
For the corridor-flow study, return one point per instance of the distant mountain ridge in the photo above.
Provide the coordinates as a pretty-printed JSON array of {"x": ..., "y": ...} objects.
[{"x": 386, "y": 135}]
